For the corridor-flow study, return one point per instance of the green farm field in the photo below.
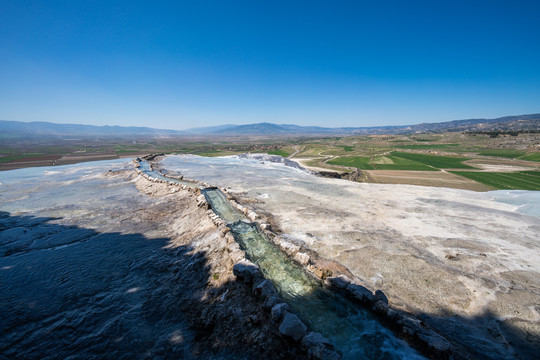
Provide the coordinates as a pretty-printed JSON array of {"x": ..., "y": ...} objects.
[
  {"x": 402, "y": 161},
  {"x": 524, "y": 180},
  {"x": 391, "y": 158},
  {"x": 429, "y": 154},
  {"x": 278, "y": 152},
  {"x": 439, "y": 162}
]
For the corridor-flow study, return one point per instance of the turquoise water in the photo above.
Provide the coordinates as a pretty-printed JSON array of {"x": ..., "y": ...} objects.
[
  {"x": 85, "y": 195},
  {"x": 222, "y": 207},
  {"x": 353, "y": 330},
  {"x": 147, "y": 169},
  {"x": 527, "y": 202}
]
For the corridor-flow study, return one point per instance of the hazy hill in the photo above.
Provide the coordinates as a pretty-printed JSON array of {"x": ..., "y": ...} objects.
[
  {"x": 38, "y": 128},
  {"x": 518, "y": 122},
  {"x": 507, "y": 123},
  {"x": 16, "y": 129}
]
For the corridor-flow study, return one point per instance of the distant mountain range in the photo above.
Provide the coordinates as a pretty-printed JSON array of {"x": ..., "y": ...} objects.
[
  {"x": 14, "y": 129},
  {"x": 38, "y": 128},
  {"x": 507, "y": 123}
]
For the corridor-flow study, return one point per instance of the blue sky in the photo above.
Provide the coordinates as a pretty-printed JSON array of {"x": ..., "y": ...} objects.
[{"x": 176, "y": 64}]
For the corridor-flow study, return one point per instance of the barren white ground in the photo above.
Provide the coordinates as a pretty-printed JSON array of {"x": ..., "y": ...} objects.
[{"x": 467, "y": 262}]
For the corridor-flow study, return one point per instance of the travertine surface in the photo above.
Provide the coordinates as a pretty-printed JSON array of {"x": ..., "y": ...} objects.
[
  {"x": 469, "y": 265},
  {"x": 106, "y": 264}
]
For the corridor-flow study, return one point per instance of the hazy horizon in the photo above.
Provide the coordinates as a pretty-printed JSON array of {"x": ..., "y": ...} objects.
[
  {"x": 179, "y": 65},
  {"x": 254, "y": 123}
]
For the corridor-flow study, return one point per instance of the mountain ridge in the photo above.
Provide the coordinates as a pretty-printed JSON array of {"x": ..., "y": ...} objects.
[{"x": 40, "y": 128}]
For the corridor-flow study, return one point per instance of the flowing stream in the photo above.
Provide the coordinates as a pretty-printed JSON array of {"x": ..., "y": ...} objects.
[
  {"x": 147, "y": 169},
  {"x": 352, "y": 329}
]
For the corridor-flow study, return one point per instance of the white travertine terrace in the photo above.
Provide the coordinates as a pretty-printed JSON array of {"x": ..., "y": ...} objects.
[{"x": 469, "y": 263}]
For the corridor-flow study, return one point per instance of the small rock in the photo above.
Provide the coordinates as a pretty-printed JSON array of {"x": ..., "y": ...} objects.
[
  {"x": 437, "y": 346},
  {"x": 341, "y": 281},
  {"x": 270, "y": 302},
  {"x": 322, "y": 273},
  {"x": 313, "y": 338},
  {"x": 392, "y": 314},
  {"x": 380, "y": 307},
  {"x": 252, "y": 215},
  {"x": 245, "y": 269},
  {"x": 225, "y": 230},
  {"x": 360, "y": 292},
  {"x": 410, "y": 326},
  {"x": 301, "y": 258},
  {"x": 291, "y": 326},
  {"x": 318, "y": 347},
  {"x": 381, "y": 303},
  {"x": 265, "y": 227},
  {"x": 278, "y": 311},
  {"x": 264, "y": 289},
  {"x": 288, "y": 248},
  {"x": 380, "y": 296},
  {"x": 230, "y": 238}
]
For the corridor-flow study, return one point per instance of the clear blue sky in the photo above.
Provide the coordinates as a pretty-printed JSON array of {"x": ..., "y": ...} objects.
[{"x": 181, "y": 64}]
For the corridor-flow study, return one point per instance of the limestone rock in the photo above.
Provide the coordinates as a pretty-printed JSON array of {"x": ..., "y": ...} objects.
[
  {"x": 270, "y": 302},
  {"x": 252, "y": 215},
  {"x": 318, "y": 347},
  {"x": 266, "y": 226},
  {"x": 278, "y": 311},
  {"x": 292, "y": 327},
  {"x": 264, "y": 289},
  {"x": 341, "y": 281},
  {"x": 380, "y": 296},
  {"x": 360, "y": 292},
  {"x": 301, "y": 258},
  {"x": 392, "y": 314},
  {"x": 229, "y": 237},
  {"x": 437, "y": 346},
  {"x": 410, "y": 327},
  {"x": 381, "y": 303},
  {"x": 313, "y": 338},
  {"x": 245, "y": 269},
  {"x": 288, "y": 248},
  {"x": 321, "y": 272},
  {"x": 380, "y": 307}
]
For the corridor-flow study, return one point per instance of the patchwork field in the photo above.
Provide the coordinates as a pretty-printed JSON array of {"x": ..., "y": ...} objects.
[
  {"x": 427, "y": 178},
  {"x": 524, "y": 180},
  {"x": 443, "y": 160}
]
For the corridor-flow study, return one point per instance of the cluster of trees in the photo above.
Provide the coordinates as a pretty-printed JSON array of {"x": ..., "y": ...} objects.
[
  {"x": 254, "y": 147},
  {"x": 494, "y": 134}
]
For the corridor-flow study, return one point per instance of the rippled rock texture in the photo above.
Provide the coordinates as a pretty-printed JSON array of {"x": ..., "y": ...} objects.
[
  {"x": 103, "y": 264},
  {"x": 466, "y": 263}
]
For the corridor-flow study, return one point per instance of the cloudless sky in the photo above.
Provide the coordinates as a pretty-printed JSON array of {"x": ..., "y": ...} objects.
[{"x": 182, "y": 64}]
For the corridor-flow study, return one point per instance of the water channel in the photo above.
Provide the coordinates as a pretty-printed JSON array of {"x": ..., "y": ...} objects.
[
  {"x": 352, "y": 329},
  {"x": 147, "y": 169}
]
